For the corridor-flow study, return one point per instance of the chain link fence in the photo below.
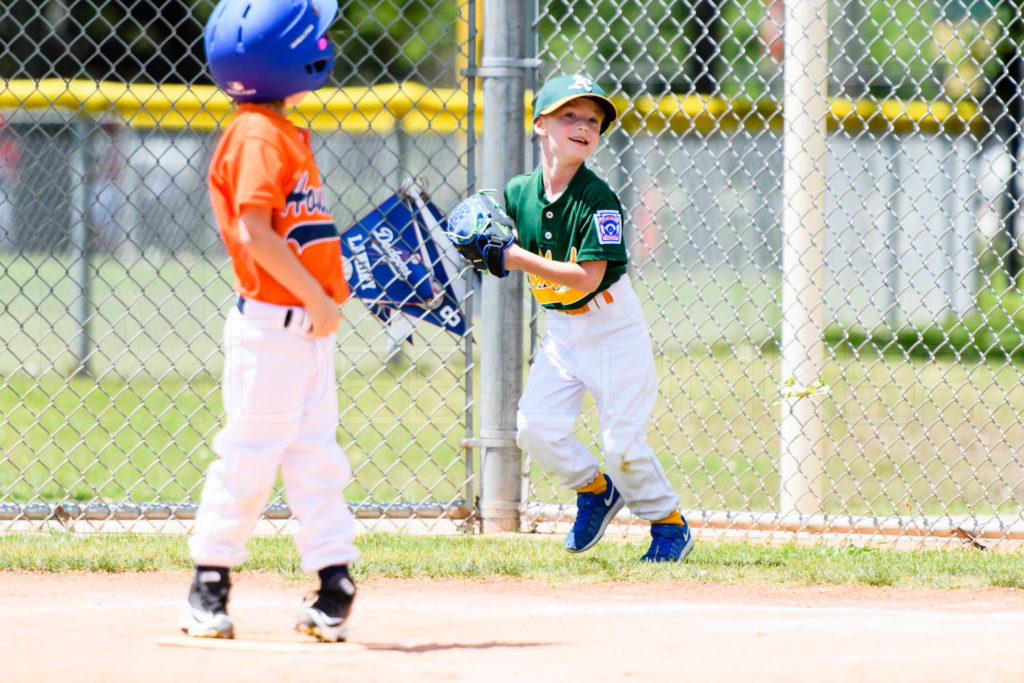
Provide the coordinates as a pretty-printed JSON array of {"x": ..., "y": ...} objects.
[
  {"x": 114, "y": 281},
  {"x": 914, "y": 380}
]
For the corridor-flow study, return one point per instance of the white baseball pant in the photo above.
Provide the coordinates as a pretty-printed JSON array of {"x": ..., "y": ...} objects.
[
  {"x": 281, "y": 405},
  {"x": 608, "y": 353}
]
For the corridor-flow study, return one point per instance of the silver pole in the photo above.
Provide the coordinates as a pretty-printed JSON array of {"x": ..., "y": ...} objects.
[
  {"x": 79, "y": 180},
  {"x": 892, "y": 315},
  {"x": 801, "y": 428},
  {"x": 961, "y": 298},
  {"x": 503, "y": 69},
  {"x": 472, "y": 294}
]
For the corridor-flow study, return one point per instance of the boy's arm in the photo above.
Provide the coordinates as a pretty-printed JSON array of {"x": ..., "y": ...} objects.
[
  {"x": 584, "y": 276},
  {"x": 271, "y": 252}
]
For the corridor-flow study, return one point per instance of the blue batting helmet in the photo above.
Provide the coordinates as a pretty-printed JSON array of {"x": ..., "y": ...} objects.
[{"x": 265, "y": 50}]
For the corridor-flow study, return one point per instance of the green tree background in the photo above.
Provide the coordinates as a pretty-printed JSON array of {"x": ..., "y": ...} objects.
[
  {"x": 158, "y": 41},
  {"x": 656, "y": 46}
]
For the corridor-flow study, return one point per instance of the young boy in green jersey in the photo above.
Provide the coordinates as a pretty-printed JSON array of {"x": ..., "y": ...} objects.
[{"x": 570, "y": 245}]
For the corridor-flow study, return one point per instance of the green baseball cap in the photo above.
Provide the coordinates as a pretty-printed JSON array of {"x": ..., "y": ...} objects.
[{"x": 560, "y": 89}]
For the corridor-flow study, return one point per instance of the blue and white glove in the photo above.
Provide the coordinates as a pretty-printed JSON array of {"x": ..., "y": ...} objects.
[{"x": 481, "y": 231}]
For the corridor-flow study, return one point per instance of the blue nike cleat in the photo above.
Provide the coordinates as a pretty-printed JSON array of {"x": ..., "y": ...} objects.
[
  {"x": 669, "y": 543},
  {"x": 593, "y": 513}
]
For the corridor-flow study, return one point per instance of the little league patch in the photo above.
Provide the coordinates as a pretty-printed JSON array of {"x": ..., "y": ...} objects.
[{"x": 609, "y": 227}]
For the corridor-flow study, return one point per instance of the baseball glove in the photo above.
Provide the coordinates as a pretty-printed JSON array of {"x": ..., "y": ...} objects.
[{"x": 481, "y": 231}]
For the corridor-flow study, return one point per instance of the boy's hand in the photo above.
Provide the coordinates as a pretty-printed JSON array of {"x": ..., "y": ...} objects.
[
  {"x": 324, "y": 316},
  {"x": 277, "y": 258},
  {"x": 482, "y": 232}
]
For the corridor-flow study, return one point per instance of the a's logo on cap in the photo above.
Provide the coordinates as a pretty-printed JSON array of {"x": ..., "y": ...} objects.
[{"x": 581, "y": 83}]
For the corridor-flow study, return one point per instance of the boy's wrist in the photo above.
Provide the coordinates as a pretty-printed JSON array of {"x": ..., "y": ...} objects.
[
  {"x": 317, "y": 299},
  {"x": 512, "y": 257}
]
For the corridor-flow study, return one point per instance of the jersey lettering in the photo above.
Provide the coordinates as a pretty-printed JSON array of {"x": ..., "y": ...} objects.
[
  {"x": 304, "y": 198},
  {"x": 547, "y": 292}
]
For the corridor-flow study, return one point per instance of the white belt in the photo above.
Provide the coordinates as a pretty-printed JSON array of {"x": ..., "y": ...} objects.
[{"x": 274, "y": 316}]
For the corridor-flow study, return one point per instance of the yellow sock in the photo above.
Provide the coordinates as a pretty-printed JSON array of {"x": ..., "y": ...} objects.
[
  {"x": 599, "y": 485},
  {"x": 674, "y": 518}
]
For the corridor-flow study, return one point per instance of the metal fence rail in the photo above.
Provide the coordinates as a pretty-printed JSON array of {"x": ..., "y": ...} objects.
[{"x": 114, "y": 288}]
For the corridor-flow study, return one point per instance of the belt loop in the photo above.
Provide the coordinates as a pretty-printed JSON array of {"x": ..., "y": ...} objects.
[{"x": 287, "y": 318}]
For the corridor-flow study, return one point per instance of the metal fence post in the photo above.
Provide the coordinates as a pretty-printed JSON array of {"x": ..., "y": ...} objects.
[
  {"x": 503, "y": 69},
  {"x": 961, "y": 216},
  {"x": 892, "y": 315},
  {"x": 80, "y": 140},
  {"x": 801, "y": 428}
]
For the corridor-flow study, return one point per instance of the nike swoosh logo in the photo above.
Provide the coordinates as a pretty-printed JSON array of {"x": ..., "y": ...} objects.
[{"x": 608, "y": 500}]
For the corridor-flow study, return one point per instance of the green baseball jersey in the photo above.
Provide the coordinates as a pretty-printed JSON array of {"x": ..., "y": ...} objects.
[{"x": 583, "y": 224}]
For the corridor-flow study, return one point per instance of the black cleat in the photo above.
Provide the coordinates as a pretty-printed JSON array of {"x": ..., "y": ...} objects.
[
  {"x": 325, "y": 618},
  {"x": 205, "y": 614}
]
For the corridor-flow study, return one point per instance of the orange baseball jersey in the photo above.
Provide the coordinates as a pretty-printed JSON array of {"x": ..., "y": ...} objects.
[{"x": 263, "y": 159}]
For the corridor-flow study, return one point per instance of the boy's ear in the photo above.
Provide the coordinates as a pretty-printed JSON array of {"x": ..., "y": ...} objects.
[{"x": 539, "y": 128}]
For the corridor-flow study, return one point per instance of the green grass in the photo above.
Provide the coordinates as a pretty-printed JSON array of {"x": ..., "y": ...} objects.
[
  {"x": 993, "y": 330},
  {"x": 904, "y": 436},
  {"x": 147, "y": 440},
  {"x": 912, "y": 427},
  {"x": 151, "y": 316},
  {"x": 147, "y": 315},
  {"x": 138, "y": 426},
  {"x": 82, "y": 439},
  {"x": 398, "y": 555}
]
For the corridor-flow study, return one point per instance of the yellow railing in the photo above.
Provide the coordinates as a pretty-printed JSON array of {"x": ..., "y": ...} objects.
[{"x": 416, "y": 109}]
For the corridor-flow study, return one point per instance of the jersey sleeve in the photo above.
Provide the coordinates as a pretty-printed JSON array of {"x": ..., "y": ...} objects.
[
  {"x": 601, "y": 234},
  {"x": 260, "y": 174},
  {"x": 511, "y": 197}
]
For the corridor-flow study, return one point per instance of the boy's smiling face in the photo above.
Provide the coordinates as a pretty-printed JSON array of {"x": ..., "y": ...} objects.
[{"x": 572, "y": 130}]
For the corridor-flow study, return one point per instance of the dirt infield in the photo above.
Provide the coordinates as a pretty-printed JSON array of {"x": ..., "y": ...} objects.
[{"x": 121, "y": 627}]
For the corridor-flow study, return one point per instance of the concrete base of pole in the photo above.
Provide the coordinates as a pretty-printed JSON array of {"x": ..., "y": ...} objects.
[{"x": 498, "y": 517}]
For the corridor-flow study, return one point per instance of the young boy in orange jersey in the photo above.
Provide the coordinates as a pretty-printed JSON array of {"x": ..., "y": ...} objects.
[{"x": 279, "y": 384}]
